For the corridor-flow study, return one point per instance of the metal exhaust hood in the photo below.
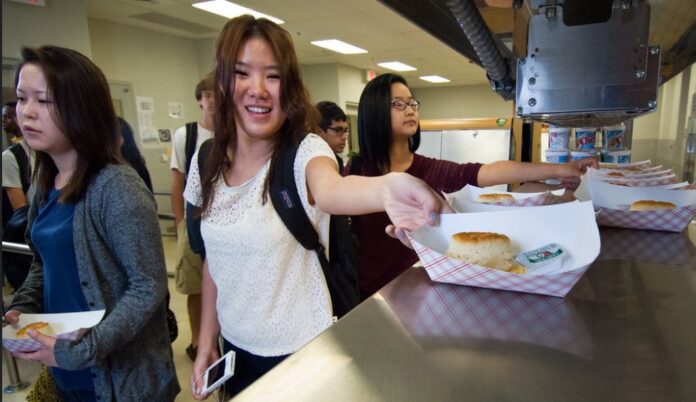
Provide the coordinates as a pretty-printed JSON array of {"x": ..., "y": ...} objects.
[
  {"x": 592, "y": 74},
  {"x": 574, "y": 62}
]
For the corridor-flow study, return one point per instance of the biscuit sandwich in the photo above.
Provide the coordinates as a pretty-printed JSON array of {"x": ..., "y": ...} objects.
[
  {"x": 649, "y": 205},
  {"x": 493, "y": 198},
  {"x": 40, "y": 326},
  {"x": 487, "y": 249}
]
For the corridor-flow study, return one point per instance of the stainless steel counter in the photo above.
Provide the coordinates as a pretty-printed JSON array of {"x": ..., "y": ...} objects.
[{"x": 626, "y": 332}]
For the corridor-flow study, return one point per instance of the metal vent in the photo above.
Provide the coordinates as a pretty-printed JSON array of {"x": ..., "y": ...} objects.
[
  {"x": 587, "y": 75},
  {"x": 174, "y": 23}
]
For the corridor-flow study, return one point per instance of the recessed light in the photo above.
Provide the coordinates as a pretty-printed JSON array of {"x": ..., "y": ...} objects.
[
  {"x": 338, "y": 46},
  {"x": 397, "y": 66},
  {"x": 434, "y": 79},
  {"x": 230, "y": 10}
]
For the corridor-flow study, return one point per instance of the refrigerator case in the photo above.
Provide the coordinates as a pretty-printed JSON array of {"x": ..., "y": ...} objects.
[{"x": 467, "y": 146}]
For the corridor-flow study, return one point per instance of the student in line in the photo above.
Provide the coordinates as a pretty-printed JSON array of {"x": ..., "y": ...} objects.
[
  {"x": 17, "y": 165},
  {"x": 189, "y": 265},
  {"x": 94, "y": 232},
  {"x": 131, "y": 154},
  {"x": 333, "y": 128},
  {"x": 389, "y": 135},
  {"x": 262, "y": 291}
]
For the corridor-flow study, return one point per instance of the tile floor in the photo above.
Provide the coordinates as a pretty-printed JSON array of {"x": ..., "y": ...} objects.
[{"x": 28, "y": 370}]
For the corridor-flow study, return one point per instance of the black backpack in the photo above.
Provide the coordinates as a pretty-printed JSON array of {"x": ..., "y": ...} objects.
[
  {"x": 14, "y": 223},
  {"x": 25, "y": 176},
  {"x": 191, "y": 139},
  {"x": 341, "y": 272}
]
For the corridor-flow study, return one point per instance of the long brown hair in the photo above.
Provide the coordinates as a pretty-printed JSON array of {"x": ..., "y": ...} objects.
[
  {"x": 294, "y": 100},
  {"x": 83, "y": 111}
]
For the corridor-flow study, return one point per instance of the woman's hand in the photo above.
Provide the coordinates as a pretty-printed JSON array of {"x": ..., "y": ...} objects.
[
  {"x": 572, "y": 170},
  {"x": 410, "y": 204},
  {"x": 203, "y": 360},
  {"x": 12, "y": 316},
  {"x": 45, "y": 354}
]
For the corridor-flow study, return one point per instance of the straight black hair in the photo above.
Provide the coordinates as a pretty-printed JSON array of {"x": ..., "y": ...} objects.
[
  {"x": 83, "y": 111},
  {"x": 374, "y": 125},
  {"x": 328, "y": 112}
]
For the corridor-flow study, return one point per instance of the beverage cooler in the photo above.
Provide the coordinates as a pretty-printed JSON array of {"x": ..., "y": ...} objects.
[{"x": 467, "y": 140}]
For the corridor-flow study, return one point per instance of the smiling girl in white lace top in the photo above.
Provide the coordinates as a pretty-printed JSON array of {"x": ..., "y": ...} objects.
[{"x": 262, "y": 290}]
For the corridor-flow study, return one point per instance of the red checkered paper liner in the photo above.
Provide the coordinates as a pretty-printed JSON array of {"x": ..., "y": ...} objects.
[
  {"x": 545, "y": 198},
  {"x": 70, "y": 326},
  {"x": 459, "y": 311},
  {"x": 442, "y": 268},
  {"x": 465, "y": 200},
  {"x": 30, "y": 345},
  {"x": 664, "y": 248},
  {"x": 630, "y": 166},
  {"x": 670, "y": 220},
  {"x": 656, "y": 181}
]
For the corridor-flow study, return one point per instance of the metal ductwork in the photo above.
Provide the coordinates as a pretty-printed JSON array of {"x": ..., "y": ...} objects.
[{"x": 472, "y": 24}]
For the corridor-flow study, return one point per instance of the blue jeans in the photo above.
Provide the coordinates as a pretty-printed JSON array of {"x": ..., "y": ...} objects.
[{"x": 247, "y": 368}]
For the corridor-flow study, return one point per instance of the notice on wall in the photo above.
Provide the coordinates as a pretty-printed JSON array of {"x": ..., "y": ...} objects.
[
  {"x": 176, "y": 110},
  {"x": 148, "y": 132}
]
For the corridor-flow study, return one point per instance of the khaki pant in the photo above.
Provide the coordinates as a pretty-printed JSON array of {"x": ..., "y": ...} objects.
[{"x": 189, "y": 266}]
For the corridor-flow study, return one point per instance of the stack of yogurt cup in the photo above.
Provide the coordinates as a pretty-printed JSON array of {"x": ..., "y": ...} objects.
[
  {"x": 585, "y": 138},
  {"x": 613, "y": 150},
  {"x": 557, "y": 151}
]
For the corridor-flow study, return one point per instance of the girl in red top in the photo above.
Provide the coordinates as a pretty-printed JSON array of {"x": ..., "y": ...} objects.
[{"x": 389, "y": 135}]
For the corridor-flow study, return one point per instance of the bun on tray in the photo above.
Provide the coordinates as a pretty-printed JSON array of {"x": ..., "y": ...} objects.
[
  {"x": 493, "y": 198},
  {"x": 487, "y": 249},
  {"x": 615, "y": 174},
  {"x": 40, "y": 326},
  {"x": 649, "y": 205}
]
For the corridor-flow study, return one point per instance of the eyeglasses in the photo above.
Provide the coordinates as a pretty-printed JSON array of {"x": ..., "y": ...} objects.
[
  {"x": 401, "y": 105},
  {"x": 339, "y": 130}
]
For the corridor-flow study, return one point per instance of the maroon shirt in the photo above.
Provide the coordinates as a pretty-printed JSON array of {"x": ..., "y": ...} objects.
[{"x": 383, "y": 258}]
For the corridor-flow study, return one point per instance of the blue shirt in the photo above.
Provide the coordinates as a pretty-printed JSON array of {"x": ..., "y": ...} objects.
[{"x": 52, "y": 235}]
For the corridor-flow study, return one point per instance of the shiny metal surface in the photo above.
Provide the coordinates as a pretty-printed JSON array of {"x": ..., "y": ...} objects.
[
  {"x": 586, "y": 75},
  {"x": 626, "y": 332}
]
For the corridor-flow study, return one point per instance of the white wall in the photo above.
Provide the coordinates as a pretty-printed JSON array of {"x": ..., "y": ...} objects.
[
  {"x": 62, "y": 23},
  {"x": 462, "y": 102},
  {"x": 321, "y": 80},
  {"x": 660, "y": 136},
  {"x": 351, "y": 82},
  {"x": 161, "y": 66},
  {"x": 205, "y": 51}
]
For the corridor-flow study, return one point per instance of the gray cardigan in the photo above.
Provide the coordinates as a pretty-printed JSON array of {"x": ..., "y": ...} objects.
[{"x": 121, "y": 267}]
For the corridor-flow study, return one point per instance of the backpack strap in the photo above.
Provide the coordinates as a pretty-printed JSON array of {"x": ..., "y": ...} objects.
[
  {"x": 191, "y": 140},
  {"x": 193, "y": 218},
  {"x": 24, "y": 167},
  {"x": 287, "y": 203},
  {"x": 203, "y": 152}
]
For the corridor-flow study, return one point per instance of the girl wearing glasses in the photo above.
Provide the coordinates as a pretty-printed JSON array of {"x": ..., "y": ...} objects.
[{"x": 389, "y": 135}]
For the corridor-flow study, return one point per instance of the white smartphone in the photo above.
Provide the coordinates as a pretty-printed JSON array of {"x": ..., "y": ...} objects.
[{"x": 218, "y": 373}]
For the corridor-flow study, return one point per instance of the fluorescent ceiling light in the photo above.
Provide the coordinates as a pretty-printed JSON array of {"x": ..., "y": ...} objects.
[
  {"x": 338, "y": 46},
  {"x": 434, "y": 79},
  {"x": 231, "y": 10},
  {"x": 397, "y": 66}
]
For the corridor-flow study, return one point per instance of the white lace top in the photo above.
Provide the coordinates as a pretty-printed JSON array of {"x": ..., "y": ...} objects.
[{"x": 272, "y": 297}]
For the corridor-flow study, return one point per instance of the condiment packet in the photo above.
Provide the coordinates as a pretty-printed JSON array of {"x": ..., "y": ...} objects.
[{"x": 543, "y": 260}]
